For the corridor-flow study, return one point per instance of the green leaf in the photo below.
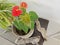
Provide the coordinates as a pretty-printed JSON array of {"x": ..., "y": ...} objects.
[
  {"x": 5, "y": 17},
  {"x": 3, "y": 25},
  {"x": 32, "y": 24},
  {"x": 4, "y": 22},
  {"x": 24, "y": 10},
  {"x": 33, "y": 15},
  {"x": 20, "y": 26},
  {"x": 23, "y": 27},
  {"x": 16, "y": 24},
  {"x": 8, "y": 14},
  {"x": 6, "y": 6}
]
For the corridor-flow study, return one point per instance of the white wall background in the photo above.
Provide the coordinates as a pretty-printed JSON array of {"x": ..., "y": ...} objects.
[{"x": 50, "y": 9}]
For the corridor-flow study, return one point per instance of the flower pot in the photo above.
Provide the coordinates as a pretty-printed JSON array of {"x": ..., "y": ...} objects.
[
  {"x": 41, "y": 29},
  {"x": 17, "y": 33}
]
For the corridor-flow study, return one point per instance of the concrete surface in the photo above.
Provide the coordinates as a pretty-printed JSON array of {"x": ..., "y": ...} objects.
[
  {"x": 5, "y": 42},
  {"x": 52, "y": 41}
]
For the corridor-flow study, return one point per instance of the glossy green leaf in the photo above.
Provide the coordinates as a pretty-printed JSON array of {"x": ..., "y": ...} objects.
[
  {"x": 32, "y": 24},
  {"x": 33, "y": 15}
]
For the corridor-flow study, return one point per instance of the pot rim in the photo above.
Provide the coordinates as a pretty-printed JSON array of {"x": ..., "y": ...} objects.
[{"x": 24, "y": 36}]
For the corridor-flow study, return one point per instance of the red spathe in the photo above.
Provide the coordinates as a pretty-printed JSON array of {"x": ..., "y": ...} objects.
[{"x": 16, "y": 11}]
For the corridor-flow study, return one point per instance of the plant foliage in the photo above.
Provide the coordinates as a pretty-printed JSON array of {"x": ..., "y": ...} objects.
[{"x": 24, "y": 21}]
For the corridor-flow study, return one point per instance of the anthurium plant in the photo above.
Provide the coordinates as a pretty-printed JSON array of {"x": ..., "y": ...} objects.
[{"x": 18, "y": 16}]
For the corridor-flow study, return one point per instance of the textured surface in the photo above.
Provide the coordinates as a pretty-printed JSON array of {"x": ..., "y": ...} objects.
[
  {"x": 44, "y": 23},
  {"x": 52, "y": 41},
  {"x": 5, "y": 42}
]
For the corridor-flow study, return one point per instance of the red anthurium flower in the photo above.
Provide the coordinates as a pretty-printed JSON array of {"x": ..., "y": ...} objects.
[
  {"x": 23, "y": 4},
  {"x": 16, "y": 11}
]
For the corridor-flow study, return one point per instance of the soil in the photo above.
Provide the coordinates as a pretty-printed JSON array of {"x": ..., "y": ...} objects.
[{"x": 21, "y": 32}]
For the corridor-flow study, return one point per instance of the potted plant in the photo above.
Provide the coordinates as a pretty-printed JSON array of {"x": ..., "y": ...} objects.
[{"x": 22, "y": 22}]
